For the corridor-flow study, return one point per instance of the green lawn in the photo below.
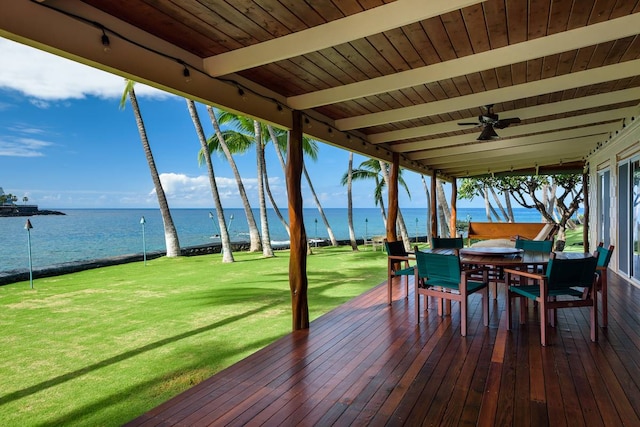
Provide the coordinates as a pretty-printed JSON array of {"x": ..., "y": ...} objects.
[{"x": 103, "y": 346}]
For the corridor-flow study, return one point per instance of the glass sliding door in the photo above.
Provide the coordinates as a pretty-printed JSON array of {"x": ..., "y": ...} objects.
[
  {"x": 624, "y": 219},
  {"x": 635, "y": 218},
  {"x": 604, "y": 206}
]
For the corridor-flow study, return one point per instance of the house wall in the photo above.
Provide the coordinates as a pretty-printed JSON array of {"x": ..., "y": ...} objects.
[{"x": 622, "y": 146}]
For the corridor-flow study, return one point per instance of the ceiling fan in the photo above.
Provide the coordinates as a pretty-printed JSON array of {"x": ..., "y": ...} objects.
[{"x": 489, "y": 122}]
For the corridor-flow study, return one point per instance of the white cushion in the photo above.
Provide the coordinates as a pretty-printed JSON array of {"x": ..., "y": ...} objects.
[{"x": 494, "y": 243}]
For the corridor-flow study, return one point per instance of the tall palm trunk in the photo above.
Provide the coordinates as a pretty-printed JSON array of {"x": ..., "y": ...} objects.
[
  {"x": 352, "y": 233},
  {"x": 170, "y": 234},
  {"x": 445, "y": 213},
  {"x": 267, "y": 188},
  {"x": 227, "y": 254},
  {"x": 426, "y": 190},
  {"x": 254, "y": 235},
  {"x": 267, "y": 250},
  {"x": 332, "y": 237}
]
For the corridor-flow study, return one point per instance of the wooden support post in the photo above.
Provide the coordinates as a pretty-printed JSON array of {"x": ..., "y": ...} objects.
[
  {"x": 298, "y": 282},
  {"x": 392, "y": 216},
  {"x": 585, "y": 226},
  {"x": 454, "y": 210},
  {"x": 434, "y": 206}
]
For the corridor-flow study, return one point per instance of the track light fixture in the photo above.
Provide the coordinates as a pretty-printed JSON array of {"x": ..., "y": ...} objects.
[{"x": 106, "y": 43}]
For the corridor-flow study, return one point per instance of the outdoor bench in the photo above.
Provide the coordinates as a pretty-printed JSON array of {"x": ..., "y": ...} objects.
[{"x": 503, "y": 230}]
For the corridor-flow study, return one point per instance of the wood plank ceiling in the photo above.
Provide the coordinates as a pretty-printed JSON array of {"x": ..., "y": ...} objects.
[{"x": 379, "y": 77}]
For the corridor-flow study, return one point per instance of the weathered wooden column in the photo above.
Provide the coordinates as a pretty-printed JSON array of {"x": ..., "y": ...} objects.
[
  {"x": 298, "y": 282},
  {"x": 454, "y": 209},
  {"x": 434, "y": 206},
  {"x": 392, "y": 216},
  {"x": 585, "y": 226}
]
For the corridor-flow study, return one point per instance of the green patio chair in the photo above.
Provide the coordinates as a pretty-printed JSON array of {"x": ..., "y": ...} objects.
[
  {"x": 441, "y": 276},
  {"x": 534, "y": 245},
  {"x": 571, "y": 279},
  {"x": 447, "y": 243},
  {"x": 604, "y": 256},
  {"x": 397, "y": 266}
]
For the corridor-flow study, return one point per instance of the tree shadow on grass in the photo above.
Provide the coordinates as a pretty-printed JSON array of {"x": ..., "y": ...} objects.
[
  {"x": 83, "y": 411},
  {"x": 19, "y": 394}
]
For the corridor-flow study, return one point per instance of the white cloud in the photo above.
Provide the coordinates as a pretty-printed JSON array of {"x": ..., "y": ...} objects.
[
  {"x": 22, "y": 147},
  {"x": 47, "y": 77}
]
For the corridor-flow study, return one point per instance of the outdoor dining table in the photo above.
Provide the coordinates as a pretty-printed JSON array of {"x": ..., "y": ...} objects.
[{"x": 497, "y": 258}]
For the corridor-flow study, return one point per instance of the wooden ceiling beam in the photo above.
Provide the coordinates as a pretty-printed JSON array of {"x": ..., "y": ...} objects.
[
  {"x": 601, "y": 130},
  {"x": 561, "y": 107},
  {"x": 333, "y": 33},
  {"x": 520, "y": 52},
  {"x": 510, "y": 132},
  {"x": 553, "y": 84}
]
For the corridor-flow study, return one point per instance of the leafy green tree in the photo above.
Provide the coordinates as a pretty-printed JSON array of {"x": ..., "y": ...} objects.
[{"x": 170, "y": 234}]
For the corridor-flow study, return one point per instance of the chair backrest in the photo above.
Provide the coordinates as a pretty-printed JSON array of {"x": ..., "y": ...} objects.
[
  {"x": 534, "y": 245},
  {"x": 603, "y": 255},
  {"x": 438, "y": 269},
  {"x": 395, "y": 248},
  {"x": 569, "y": 273},
  {"x": 447, "y": 243}
]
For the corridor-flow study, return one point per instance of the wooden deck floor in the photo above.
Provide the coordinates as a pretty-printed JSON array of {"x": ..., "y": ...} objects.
[{"x": 366, "y": 363}]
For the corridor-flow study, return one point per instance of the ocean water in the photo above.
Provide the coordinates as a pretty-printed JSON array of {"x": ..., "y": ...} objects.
[{"x": 84, "y": 234}]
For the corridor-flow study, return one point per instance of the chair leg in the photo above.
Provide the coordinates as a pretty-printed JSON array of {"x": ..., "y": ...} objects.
[
  {"x": 523, "y": 309},
  {"x": 485, "y": 306},
  {"x": 389, "y": 285},
  {"x": 463, "y": 316},
  {"x": 417, "y": 305},
  {"x": 603, "y": 289},
  {"x": 406, "y": 286},
  {"x": 508, "y": 307},
  {"x": 594, "y": 317},
  {"x": 543, "y": 322}
]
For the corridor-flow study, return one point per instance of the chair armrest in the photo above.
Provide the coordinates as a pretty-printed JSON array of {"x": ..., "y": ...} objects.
[
  {"x": 523, "y": 273},
  {"x": 398, "y": 257}
]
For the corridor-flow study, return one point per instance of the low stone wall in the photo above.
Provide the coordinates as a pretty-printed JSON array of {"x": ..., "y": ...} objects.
[{"x": 14, "y": 276}]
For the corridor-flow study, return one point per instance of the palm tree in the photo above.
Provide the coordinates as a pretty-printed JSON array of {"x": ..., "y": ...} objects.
[
  {"x": 352, "y": 234},
  {"x": 227, "y": 254},
  {"x": 310, "y": 148},
  {"x": 384, "y": 168},
  {"x": 376, "y": 170},
  {"x": 250, "y": 132},
  {"x": 267, "y": 250},
  {"x": 218, "y": 141},
  {"x": 170, "y": 234}
]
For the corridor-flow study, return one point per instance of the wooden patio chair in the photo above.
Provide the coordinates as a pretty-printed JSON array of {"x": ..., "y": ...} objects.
[
  {"x": 567, "y": 283},
  {"x": 441, "y": 276},
  {"x": 397, "y": 265},
  {"x": 604, "y": 256},
  {"x": 447, "y": 243}
]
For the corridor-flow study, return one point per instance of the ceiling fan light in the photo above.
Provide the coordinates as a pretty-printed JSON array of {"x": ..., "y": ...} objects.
[{"x": 488, "y": 133}]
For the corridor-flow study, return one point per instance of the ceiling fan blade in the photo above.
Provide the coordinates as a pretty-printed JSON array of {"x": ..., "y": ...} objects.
[
  {"x": 488, "y": 134},
  {"x": 469, "y": 124},
  {"x": 501, "y": 124}
]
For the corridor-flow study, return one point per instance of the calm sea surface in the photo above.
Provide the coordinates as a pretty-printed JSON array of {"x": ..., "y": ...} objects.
[{"x": 84, "y": 234}]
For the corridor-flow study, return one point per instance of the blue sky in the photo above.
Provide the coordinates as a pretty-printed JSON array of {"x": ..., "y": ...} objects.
[{"x": 65, "y": 143}]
